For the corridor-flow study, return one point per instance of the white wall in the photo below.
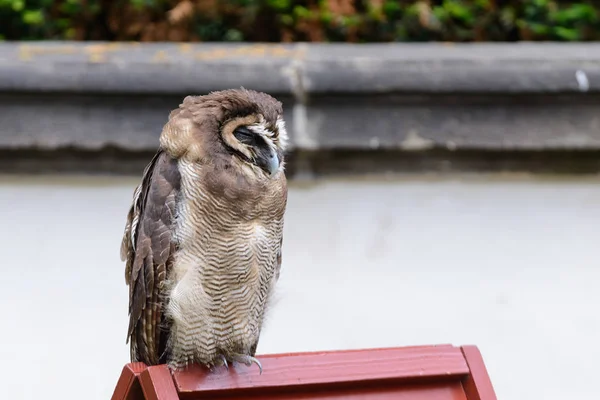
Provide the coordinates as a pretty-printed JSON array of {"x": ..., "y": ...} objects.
[{"x": 508, "y": 265}]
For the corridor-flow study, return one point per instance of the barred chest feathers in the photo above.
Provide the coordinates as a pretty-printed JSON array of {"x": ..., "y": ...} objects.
[{"x": 225, "y": 267}]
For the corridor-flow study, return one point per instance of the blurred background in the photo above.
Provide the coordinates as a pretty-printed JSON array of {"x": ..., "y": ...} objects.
[{"x": 443, "y": 176}]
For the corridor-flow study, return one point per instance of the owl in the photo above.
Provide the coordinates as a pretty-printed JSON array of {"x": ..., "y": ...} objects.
[{"x": 202, "y": 241}]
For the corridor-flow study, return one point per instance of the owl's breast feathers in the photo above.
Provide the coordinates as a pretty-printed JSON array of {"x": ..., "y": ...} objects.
[
  {"x": 229, "y": 231},
  {"x": 202, "y": 246}
]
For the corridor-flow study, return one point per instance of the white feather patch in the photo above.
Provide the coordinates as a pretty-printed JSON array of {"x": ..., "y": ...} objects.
[
  {"x": 283, "y": 135},
  {"x": 260, "y": 128}
]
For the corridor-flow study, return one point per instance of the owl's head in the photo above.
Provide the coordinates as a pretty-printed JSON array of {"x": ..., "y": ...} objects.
[{"x": 236, "y": 124}]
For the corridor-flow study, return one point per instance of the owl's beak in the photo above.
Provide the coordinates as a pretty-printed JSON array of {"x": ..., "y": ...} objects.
[
  {"x": 268, "y": 160},
  {"x": 273, "y": 163}
]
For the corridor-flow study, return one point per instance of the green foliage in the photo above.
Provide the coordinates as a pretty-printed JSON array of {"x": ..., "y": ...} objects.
[{"x": 290, "y": 20}]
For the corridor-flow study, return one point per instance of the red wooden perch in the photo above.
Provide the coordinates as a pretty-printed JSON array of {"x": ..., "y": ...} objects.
[{"x": 441, "y": 372}]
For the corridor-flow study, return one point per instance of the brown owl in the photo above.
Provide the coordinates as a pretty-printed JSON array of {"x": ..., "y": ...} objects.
[{"x": 202, "y": 242}]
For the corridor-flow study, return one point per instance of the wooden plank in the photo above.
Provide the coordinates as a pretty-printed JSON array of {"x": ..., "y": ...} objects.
[
  {"x": 336, "y": 369},
  {"x": 477, "y": 384},
  {"x": 431, "y": 391},
  {"x": 128, "y": 386},
  {"x": 157, "y": 383}
]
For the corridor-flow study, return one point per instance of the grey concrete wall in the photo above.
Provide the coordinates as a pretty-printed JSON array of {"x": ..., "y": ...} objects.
[
  {"x": 403, "y": 98},
  {"x": 302, "y": 69}
]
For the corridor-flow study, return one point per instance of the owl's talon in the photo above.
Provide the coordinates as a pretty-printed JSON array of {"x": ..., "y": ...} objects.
[
  {"x": 248, "y": 360},
  {"x": 224, "y": 360}
]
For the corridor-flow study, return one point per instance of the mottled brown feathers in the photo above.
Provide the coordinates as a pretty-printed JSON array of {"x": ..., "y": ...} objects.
[
  {"x": 148, "y": 251},
  {"x": 203, "y": 236}
]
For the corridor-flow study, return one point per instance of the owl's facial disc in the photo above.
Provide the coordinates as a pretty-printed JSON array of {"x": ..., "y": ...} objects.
[{"x": 260, "y": 146}]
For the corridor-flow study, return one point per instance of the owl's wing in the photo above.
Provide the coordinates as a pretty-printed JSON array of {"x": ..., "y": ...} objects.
[{"x": 148, "y": 248}]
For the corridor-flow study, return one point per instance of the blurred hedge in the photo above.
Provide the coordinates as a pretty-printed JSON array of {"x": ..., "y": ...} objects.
[{"x": 287, "y": 20}]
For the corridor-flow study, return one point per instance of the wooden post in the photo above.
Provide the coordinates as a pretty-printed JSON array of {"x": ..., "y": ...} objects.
[{"x": 441, "y": 372}]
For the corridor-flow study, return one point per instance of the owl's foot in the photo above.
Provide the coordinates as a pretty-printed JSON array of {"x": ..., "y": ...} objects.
[{"x": 246, "y": 359}]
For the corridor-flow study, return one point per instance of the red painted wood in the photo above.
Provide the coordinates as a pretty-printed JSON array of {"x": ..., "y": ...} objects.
[
  {"x": 477, "y": 384},
  {"x": 451, "y": 390},
  {"x": 128, "y": 386},
  {"x": 337, "y": 368},
  {"x": 157, "y": 383},
  {"x": 440, "y": 372}
]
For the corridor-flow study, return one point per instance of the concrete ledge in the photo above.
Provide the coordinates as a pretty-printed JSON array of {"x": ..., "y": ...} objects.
[
  {"x": 299, "y": 69},
  {"x": 424, "y": 99},
  {"x": 402, "y": 122}
]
